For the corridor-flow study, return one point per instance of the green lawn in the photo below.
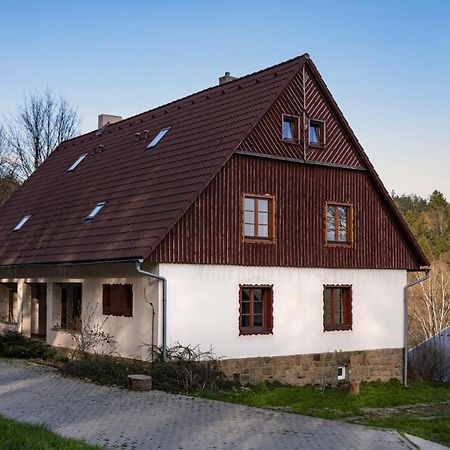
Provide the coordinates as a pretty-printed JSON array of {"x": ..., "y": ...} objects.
[
  {"x": 18, "y": 436},
  {"x": 422, "y": 410}
]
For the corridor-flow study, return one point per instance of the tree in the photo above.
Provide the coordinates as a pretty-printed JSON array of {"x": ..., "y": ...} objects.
[
  {"x": 430, "y": 304},
  {"x": 41, "y": 123},
  {"x": 8, "y": 168}
]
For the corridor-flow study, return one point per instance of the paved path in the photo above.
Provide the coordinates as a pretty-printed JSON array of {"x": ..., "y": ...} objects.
[{"x": 117, "y": 418}]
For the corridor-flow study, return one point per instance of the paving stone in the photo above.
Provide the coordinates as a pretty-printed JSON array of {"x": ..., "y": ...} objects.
[{"x": 118, "y": 418}]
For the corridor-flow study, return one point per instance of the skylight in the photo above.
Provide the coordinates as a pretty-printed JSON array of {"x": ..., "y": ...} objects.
[
  {"x": 158, "y": 137},
  {"x": 95, "y": 211},
  {"x": 22, "y": 222},
  {"x": 77, "y": 162}
]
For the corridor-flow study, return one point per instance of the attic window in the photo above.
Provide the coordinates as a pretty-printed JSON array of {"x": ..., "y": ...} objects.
[
  {"x": 316, "y": 132},
  {"x": 77, "y": 162},
  {"x": 22, "y": 222},
  {"x": 93, "y": 214},
  {"x": 158, "y": 137},
  {"x": 290, "y": 129}
]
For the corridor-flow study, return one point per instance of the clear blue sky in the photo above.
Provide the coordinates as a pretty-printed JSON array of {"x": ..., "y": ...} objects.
[{"x": 386, "y": 62}]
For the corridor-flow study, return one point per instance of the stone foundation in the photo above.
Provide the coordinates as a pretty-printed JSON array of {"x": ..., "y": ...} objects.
[{"x": 318, "y": 368}]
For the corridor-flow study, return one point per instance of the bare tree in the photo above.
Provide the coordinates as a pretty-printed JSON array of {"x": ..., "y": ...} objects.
[
  {"x": 430, "y": 304},
  {"x": 41, "y": 123},
  {"x": 8, "y": 169}
]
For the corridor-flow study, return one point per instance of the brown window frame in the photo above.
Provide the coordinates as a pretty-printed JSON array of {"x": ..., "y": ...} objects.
[
  {"x": 321, "y": 123},
  {"x": 350, "y": 225},
  {"x": 267, "y": 327},
  {"x": 296, "y": 119},
  {"x": 348, "y": 308},
  {"x": 271, "y": 220},
  {"x": 122, "y": 310}
]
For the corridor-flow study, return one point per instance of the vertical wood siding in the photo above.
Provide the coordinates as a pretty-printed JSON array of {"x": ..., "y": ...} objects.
[
  {"x": 302, "y": 95},
  {"x": 210, "y": 231}
]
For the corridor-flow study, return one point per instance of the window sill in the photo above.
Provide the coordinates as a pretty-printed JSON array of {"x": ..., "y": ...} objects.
[
  {"x": 312, "y": 145},
  {"x": 254, "y": 332},
  {"x": 338, "y": 328},
  {"x": 259, "y": 241},
  {"x": 339, "y": 244},
  {"x": 291, "y": 141}
]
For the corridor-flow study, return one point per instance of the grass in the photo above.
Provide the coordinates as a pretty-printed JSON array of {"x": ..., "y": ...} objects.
[
  {"x": 422, "y": 410},
  {"x": 18, "y": 436}
]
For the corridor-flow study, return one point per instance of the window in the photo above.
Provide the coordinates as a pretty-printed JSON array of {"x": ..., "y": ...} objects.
[
  {"x": 95, "y": 211},
  {"x": 290, "y": 130},
  {"x": 337, "y": 308},
  {"x": 339, "y": 228},
  {"x": 259, "y": 218},
  {"x": 71, "y": 307},
  {"x": 118, "y": 299},
  {"x": 22, "y": 222},
  {"x": 77, "y": 162},
  {"x": 158, "y": 137},
  {"x": 255, "y": 310},
  {"x": 8, "y": 302},
  {"x": 316, "y": 132}
]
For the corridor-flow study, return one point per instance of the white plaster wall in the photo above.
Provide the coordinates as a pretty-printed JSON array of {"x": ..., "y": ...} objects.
[{"x": 203, "y": 308}]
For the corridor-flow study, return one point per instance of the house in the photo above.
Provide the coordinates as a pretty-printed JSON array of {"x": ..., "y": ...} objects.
[
  {"x": 245, "y": 218},
  {"x": 431, "y": 358}
]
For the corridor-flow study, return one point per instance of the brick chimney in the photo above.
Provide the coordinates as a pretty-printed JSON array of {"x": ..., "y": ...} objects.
[
  {"x": 226, "y": 78},
  {"x": 103, "y": 119}
]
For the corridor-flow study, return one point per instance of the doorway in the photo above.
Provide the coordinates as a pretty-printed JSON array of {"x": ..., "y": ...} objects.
[{"x": 39, "y": 310}]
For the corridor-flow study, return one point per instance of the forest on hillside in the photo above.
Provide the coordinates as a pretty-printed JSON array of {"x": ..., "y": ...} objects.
[{"x": 429, "y": 220}]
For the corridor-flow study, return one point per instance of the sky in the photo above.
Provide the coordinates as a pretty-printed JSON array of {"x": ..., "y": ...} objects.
[{"x": 387, "y": 64}]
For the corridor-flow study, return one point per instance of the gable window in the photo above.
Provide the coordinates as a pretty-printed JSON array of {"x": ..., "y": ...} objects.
[
  {"x": 290, "y": 129},
  {"x": 118, "y": 300},
  {"x": 339, "y": 218},
  {"x": 337, "y": 308},
  {"x": 259, "y": 217},
  {"x": 77, "y": 162},
  {"x": 316, "y": 132},
  {"x": 158, "y": 137},
  {"x": 93, "y": 214},
  {"x": 256, "y": 312},
  {"x": 22, "y": 222}
]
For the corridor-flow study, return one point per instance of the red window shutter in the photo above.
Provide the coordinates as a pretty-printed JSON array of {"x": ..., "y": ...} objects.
[
  {"x": 348, "y": 307},
  {"x": 268, "y": 306}
]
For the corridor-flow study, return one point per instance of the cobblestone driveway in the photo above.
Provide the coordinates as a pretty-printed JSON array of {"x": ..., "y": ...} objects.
[{"x": 117, "y": 418}]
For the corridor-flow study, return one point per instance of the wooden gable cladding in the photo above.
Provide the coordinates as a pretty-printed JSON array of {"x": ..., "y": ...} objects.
[
  {"x": 210, "y": 231},
  {"x": 303, "y": 97}
]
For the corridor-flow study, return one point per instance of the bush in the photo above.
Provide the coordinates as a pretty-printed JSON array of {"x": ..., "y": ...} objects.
[
  {"x": 16, "y": 345},
  {"x": 187, "y": 370},
  {"x": 106, "y": 370}
]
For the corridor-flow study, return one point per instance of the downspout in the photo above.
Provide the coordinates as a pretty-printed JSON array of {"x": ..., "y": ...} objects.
[
  {"x": 164, "y": 304},
  {"x": 405, "y": 331}
]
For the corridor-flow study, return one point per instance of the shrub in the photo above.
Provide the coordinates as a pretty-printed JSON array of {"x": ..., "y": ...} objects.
[
  {"x": 16, "y": 345},
  {"x": 187, "y": 370}
]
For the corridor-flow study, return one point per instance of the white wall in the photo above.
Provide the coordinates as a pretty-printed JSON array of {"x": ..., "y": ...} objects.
[{"x": 203, "y": 308}]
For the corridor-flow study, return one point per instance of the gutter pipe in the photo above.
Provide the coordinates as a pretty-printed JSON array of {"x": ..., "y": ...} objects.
[
  {"x": 405, "y": 331},
  {"x": 164, "y": 304}
]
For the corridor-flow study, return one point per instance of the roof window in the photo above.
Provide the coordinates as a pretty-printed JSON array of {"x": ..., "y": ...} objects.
[
  {"x": 77, "y": 162},
  {"x": 93, "y": 214},
  {"x": 158, "y": 137},
  {"x": 22, "y": 222}
]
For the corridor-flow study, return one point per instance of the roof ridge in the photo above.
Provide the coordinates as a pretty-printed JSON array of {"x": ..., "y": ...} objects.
[{"x": 202, "y": 91}]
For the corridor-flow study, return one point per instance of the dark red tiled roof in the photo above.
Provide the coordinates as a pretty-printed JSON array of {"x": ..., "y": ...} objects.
[{"x": 146, "y": 192}]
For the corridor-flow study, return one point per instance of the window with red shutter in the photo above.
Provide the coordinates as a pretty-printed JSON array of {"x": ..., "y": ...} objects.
[
  {"x": 256, "y": 310},
  {"x": 118, "y": 300},
  {"x": 337, "y": 308}
]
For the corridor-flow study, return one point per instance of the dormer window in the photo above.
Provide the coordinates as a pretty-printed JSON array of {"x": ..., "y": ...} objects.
[
  {"x": 22, "y": 222},
  {"x": 158, "y": 137},
  {"x": 77, "y": 162},
  {"x": 290, "y": 129},
  {"x": 93, "y": 214},
  {"x": 316, "y": 132}
]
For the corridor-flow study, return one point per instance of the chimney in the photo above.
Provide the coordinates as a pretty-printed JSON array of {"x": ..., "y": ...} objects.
[
  {"x": 103, "y": 119},
  {"x": 226, "y": 78}
]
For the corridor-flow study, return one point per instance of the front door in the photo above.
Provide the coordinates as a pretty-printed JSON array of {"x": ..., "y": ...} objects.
[{"x": 39, "y": 310}]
